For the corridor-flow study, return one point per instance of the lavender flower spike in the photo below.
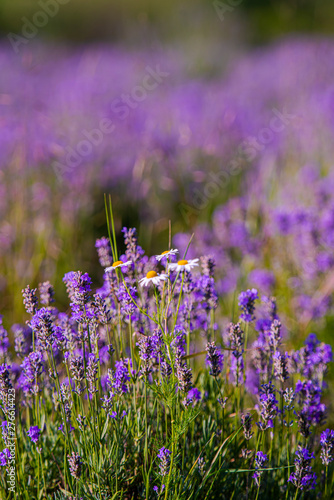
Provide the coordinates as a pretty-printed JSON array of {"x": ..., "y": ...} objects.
[
  {"x": 164, "y": 455},
  {"x": 260, "y": 459},
  {"x": 34, "y": 433},
  {"x": 303, "y": 477},
  {"x": 246, "y": 303},
  {"x": 327, "y": 447},
  {"x": 215, "y": 359}
]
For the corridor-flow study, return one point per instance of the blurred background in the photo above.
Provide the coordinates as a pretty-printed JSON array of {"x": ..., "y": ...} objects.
[{"x": 215, "y": 115}]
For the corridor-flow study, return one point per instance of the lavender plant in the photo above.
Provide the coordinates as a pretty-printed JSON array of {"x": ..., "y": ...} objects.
[{"x": 114, "y": 398}]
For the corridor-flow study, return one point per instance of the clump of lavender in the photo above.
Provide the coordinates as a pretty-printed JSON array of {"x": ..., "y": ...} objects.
[
  {"x": 260, "y": 459},
  {"x": 214, "y": 358},
  {"x": 327, "y": 446},
  {"x": 303, "y": 477},
  {"x": 75, "y": 464},
  {"x": 34, "y": 433},
  {"x": 46, "y": 293},
  {"x": 30, "y": 300},
  {"x": 247, "y": 304},
  {"x": 164, "y": 456}
]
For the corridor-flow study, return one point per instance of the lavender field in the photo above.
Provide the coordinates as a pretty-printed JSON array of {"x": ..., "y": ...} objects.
[{"x": 167, "y": 271}]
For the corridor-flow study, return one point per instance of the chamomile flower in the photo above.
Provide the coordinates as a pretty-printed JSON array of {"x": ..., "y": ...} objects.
[
  {"x": 184, "y": 265},
  {"x": 152, "y": 277},
  {"x": 166, "y": 253},
  {"x": 118, "y": 263}
]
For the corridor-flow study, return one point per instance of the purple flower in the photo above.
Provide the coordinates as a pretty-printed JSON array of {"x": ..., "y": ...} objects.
[
  {"x": 208, "y": 264},
  {"x": 147, "y": 352},
  {"x": 5, "y": 456},
  {"x": 246, "y": 303},
  {"x": 42, "y": 324},
  {"x": 78, "y": 286},
  {"x": 127, "y": 305},
  {"x": 164, "y": 456},
  {"x": 260, "y": 459},
  {"x": 194, "y": 394},
  {"x": 178, "y": 342},
  {"x": 247, "y": 422},
  {"x": 30, "y": 300},
  {"x": 303, "y": 477},
  {"x": 206, "y": 292},
  {"x": 236, "y": 337},
  {"x": 236, "y": 369},
  {"x": 117, "y": 381},
  {"x": 32, "y": 367},
  {"x": 214, "y": 358},
  {"x": 133, "y": 251},
  {"x": 312, "y": 360},
  {"x": 34, "y": 433},
  {"x": 327, "y": 446},
  {"x": 102, "y": 310},
  {"x": 103, "y": 248},
  {"x": 309, "y": 398},
  {"x": 5, "y": 383},
  {"x": 269, "y": 407},
  {"x": 46, "y": 293},
  {"x": 183, "y": 375},
  {"x": 280, "y": 366},
  {"x": 75, "y": 464},
  {"x": 91, "y": 373}
]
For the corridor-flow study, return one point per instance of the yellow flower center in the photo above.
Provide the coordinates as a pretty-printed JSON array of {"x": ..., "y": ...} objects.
[
  {"x": 164, "y": 253},
  {"x": 151, "y": 274},
  {"x": 117, "y": 263},
  {"x": 182, "y": 262}
]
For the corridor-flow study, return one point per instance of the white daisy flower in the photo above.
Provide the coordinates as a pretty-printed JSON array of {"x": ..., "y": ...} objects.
[
  {"x": 118, "y": 263},
  {"x": 166, "y": 253},
  {"x": 152, "y": 277},
  {"x": 183, "y": 265}
]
